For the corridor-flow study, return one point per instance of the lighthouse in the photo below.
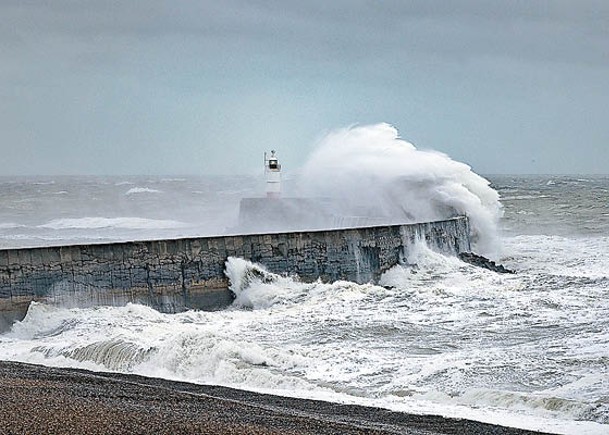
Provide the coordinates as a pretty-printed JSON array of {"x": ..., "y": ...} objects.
[{"x": 272, "y": 169}]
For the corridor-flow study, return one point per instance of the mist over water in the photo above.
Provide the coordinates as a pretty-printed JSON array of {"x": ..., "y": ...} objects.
[
  {"x": 370, "y": 169},
  {"x": 47, "y": 211}
]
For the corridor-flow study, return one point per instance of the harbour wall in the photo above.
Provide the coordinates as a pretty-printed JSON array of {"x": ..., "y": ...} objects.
[{"x": 176, "y": 275}]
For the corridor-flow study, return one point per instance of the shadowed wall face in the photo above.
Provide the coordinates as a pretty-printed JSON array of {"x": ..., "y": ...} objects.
[{"x": 175, "y": 275}]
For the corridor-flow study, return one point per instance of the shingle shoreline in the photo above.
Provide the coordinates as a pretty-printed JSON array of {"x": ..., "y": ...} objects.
[{"x": 43, "y": 400}]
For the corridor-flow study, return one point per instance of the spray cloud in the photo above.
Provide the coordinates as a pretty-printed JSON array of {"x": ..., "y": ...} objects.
[{"x": 371, "y": 170}]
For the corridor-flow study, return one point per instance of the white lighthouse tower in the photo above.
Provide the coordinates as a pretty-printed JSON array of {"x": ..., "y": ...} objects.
[{"x": 272, "y": 169}]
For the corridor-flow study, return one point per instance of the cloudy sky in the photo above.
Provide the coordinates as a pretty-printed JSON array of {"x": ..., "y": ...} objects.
[{"x": 204, "y": 87}]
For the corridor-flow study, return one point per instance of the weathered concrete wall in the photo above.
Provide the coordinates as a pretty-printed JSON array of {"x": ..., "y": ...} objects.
[{"x": 174, "y": 275}]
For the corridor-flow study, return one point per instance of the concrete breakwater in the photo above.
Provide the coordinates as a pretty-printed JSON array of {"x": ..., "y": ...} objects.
[{"x": 175, "y": 275}]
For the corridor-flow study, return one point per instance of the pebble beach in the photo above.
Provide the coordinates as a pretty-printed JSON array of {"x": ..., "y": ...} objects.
[{"x": 43, "y": 400}]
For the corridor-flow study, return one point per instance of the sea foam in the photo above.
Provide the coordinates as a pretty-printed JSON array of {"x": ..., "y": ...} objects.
[
  {"x": 136, "y": 190},
  {"x": 104, "y": 222}
]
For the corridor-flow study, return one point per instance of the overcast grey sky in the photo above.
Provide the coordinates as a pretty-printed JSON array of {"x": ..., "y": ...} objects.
[{"x": 201, "y": 87}]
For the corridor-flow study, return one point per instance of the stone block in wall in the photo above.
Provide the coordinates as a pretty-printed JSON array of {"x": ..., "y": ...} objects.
[
  {"x": 65, "y": 254},
  {"x": 203, "y": 247},
  {"x": 4, "y": 259},
  {"x": 38, "y": 260},
  {"x": 139, "y": 251},
  {"x": 229, "y": 245},
  {"x": 238, "y": 242},
  {"x": 5, "y": 285},
  {"x": 218, "y": 245},
  {"x": 280, "y": 250},
  {"x": 18, "y": 260}
]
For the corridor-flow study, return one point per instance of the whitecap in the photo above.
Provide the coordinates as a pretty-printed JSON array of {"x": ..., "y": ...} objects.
[{"x": 136, "y": 190}]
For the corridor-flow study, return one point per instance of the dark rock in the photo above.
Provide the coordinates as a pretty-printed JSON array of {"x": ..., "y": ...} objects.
[{"x": 483, "y": 262}]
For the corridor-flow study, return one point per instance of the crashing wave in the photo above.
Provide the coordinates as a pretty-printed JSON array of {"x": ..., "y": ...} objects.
[{"x": 372, "y": 166}]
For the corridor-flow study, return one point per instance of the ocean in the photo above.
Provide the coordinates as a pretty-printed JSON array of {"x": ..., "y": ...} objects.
[{"x": 436, "y": 336}]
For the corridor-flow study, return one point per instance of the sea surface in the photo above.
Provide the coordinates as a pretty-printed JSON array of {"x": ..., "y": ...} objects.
[{"x": 438, "y": 336}]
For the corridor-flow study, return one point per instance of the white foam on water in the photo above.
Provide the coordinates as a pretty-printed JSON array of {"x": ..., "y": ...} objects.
[
  {"x": 559, "y": 255},
  {"x": 10, "y": 226},
  {"x": 139, "y": 190},
  {"x": 255, "y": 287},
  {"x": 132, "y": 223},
  {"x": 523, "y": 197}
]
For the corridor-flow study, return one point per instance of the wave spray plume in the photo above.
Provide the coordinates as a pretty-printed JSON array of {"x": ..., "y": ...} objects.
[{"x": 371, "y": 169}]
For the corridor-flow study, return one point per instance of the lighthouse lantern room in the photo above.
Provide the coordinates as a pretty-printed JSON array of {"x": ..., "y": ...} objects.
[{"x": 272, "y": 169}]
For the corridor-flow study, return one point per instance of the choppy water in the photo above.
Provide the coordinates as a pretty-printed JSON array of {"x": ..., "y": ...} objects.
[
  {"x": 528, "y": 350},
  {"x": 52, "y": 211}
]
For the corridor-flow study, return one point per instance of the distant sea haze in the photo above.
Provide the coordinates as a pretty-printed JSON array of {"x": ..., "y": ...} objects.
[{"x": 66, "y": 210}]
